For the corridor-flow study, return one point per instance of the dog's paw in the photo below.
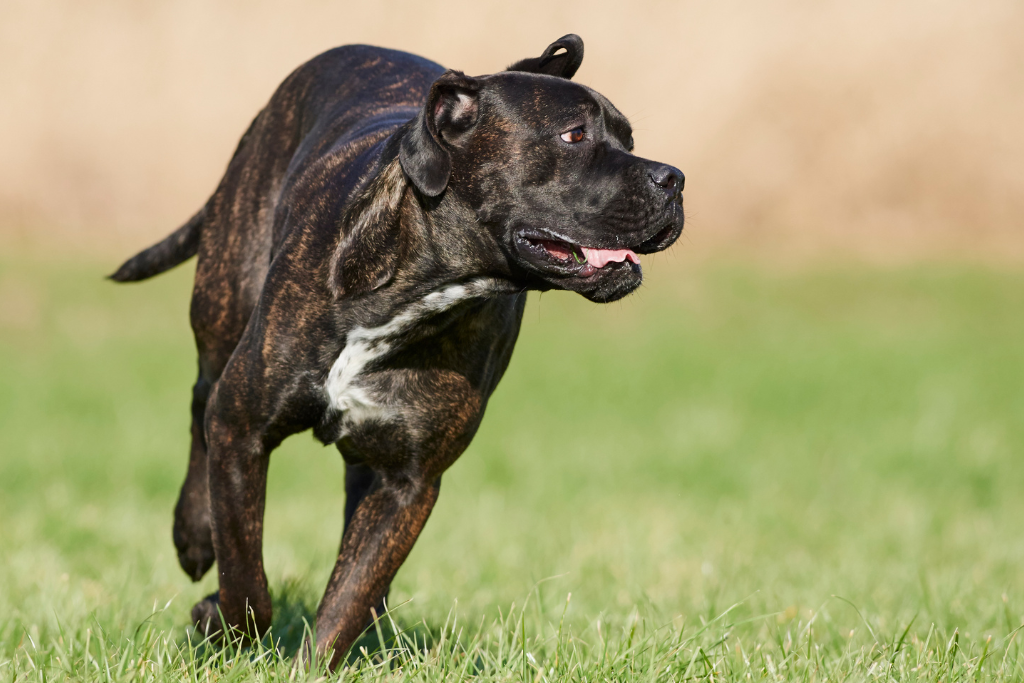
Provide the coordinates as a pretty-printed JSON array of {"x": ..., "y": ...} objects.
[
  {"x": 196, "y": 561},
  {"x": 195, "y": 548},
  {"x": 206, "y": 617}
]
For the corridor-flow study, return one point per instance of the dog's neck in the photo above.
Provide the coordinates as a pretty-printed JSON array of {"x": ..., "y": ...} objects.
[
  {"x": 455, "y": 242},
  {"x": 396, "y": 242},
  {"x": 440, "y": 240}
]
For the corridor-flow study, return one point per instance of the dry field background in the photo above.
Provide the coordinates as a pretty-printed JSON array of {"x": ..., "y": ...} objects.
[{"x": 885, "y": 131}]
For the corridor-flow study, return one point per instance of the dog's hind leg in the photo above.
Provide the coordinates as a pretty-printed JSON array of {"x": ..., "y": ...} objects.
[
  {"x": 219, "y": 313},
  {"x": 192, "y": 534},
  {"x": 223, "y": 298}
]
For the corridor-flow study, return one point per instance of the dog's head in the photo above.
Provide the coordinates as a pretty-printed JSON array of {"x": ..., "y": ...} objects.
[{"x": 547, "y": 165}]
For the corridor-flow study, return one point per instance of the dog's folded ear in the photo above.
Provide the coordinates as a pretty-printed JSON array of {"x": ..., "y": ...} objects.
[
  {"x": 451, "y": 110},
  {"x": 369, "y": 243},
  {"x": 562, "y": 58}
]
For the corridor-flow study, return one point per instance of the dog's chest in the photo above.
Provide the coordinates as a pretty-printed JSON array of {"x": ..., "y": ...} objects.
[{"x": 349, "y": 393}]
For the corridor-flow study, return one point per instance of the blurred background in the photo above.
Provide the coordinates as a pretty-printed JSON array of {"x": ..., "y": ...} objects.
[
  {"x": 819, "y": 390},
  {"x": 887, "y": 130}
]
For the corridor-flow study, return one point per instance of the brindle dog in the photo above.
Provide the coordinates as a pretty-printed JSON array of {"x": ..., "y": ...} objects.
[{"x": 362, "y": 269}]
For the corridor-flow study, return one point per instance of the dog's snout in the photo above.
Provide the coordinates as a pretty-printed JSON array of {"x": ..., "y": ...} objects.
[{"x": 668, "y": 178}]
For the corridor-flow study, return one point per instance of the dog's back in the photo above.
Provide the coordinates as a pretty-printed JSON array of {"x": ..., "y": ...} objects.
[
  {"x": 325, "y": 114},
  {"x": 304, "y": 145}
]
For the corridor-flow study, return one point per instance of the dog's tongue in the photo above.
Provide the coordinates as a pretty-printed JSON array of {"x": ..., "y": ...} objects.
[{"x": 599, "y": 258}]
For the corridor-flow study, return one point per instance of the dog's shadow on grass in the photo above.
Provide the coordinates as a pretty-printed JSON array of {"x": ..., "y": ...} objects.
[
  {"x": 293, "y": 621},
  {"x": 294, "y": 617}
]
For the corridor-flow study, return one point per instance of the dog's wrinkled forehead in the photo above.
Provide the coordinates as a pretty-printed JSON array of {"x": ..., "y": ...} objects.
[{"x": 548, "y": 104}]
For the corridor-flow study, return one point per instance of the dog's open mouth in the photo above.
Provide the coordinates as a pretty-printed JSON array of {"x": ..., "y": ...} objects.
[{"x": 582, "y": 261}]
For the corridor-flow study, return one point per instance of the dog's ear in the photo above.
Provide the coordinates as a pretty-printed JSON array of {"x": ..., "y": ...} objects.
[
  {"x": 369, "y": 243},
  {"x": 451, "y": 110},
  {"x": 562, "y": 58}
]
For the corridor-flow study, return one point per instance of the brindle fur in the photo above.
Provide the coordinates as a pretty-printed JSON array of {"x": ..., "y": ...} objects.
[{"x": 372, "y": 189}]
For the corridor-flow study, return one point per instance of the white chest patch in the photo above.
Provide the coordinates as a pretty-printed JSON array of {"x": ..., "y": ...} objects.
[{"x": 366, "y": 344}]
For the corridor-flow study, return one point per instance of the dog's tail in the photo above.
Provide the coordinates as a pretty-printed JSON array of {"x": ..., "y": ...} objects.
[{"x": 179, "y": 246}]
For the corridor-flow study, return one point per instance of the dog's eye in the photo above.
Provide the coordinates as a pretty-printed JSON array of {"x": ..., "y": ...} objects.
[{"x": 573, "y": 136}]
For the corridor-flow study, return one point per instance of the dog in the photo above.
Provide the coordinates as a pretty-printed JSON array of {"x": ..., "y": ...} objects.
[{"x": 362, "y": 270}]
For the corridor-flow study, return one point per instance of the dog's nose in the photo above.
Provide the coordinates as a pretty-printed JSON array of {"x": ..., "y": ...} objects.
[{"x": 668, "y": 178}]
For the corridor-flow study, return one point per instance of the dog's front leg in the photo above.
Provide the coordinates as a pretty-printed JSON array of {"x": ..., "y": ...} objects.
[
  {"x": 377, "y": 539},
  {"x": 237, "y": 462}
]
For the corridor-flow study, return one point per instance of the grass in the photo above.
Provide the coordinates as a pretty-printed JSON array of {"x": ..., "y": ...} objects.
[{"x": 739, "y": 473}]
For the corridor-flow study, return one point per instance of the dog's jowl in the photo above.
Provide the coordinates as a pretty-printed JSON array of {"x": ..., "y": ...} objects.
[{"x": 362, "y": 273}]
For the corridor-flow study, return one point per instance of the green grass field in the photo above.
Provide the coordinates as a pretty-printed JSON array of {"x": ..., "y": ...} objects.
[{"x": 739, "y": 473}]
